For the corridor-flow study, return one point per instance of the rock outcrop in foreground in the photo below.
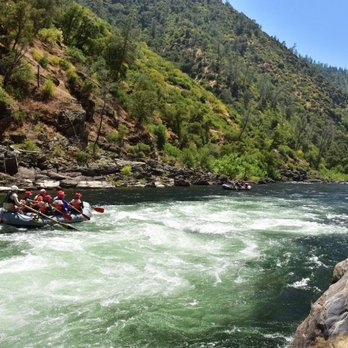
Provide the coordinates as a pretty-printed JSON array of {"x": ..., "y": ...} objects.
[{"x": 327, "y": 324}]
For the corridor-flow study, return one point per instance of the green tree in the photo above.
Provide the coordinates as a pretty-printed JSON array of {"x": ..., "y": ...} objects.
[{"x": 16, "y": 19}]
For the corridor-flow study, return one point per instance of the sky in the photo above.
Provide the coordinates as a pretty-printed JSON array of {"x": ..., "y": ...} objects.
[{"x": 317, "y": 28}]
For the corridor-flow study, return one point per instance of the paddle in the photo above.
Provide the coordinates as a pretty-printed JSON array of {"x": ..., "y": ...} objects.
[
  {"x": 66, "y": 215},
  {"x": 51, "y": 219},
  {"x": 98, "y": 209},
  {"x": 80, "y": 212}
]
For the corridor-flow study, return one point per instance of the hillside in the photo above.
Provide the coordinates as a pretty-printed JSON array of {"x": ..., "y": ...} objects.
[
  {"x": 253, "y": 73},
  {"x": 337, "y": 76},
  {"x": 219, "y": 95}
]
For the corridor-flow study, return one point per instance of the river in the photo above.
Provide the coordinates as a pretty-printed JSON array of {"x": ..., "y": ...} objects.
[{"x": 174, "y": 267}]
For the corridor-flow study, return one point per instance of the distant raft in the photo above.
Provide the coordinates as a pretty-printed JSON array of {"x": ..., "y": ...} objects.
[
  {"x": 236, "y": 187},
  {"x": 32, "y": 220}
]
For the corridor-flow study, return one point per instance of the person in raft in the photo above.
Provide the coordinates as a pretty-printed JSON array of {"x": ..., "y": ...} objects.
[
  {"x": 42, "y": 194},
  {"x": 46, "y": 207},
  {"x": 26, "y": 200},
  {"x": 60, "y": 205},
  {"x": 38, "y": 203},
  {"x": 11, "y": 202},
  {"x": 77, "y": 203}
]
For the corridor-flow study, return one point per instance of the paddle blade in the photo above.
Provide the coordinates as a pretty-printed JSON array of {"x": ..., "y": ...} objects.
[
  {"x": 69, "y": 227},
  {"x": 86, "y": 216},
  {"x": 67, "y": 216},
  {"x": 99, "y": 209}
]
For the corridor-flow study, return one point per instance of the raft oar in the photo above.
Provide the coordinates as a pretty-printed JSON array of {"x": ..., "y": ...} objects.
[
  {"x": 66, "y": 215},
  {"x": 80, "y": 212},
  {"x": 98, "y": 209},
  {"x": 51, "y": 219}
]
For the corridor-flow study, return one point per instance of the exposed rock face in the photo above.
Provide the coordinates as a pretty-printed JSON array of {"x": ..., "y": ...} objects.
[
  {"x": 294, "y": 175},
  {"x": 106, "y": 173},
  {"x": 72, "y": 124},
  {"x": 327, "y": 323}
]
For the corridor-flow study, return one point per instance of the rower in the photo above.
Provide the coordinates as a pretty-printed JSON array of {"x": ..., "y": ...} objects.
[
  {"x": 46, "y": 207},
  {"x": 11, "y": 202},
  {"x": 42, "y": 194},
  {"x": 60, "y": 204},
  {"x": 77, "y": 203},
  {"x": 26, "y": 200}
]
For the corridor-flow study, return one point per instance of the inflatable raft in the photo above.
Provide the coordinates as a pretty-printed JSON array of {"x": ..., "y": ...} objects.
[{"x": 32, "y": 220}]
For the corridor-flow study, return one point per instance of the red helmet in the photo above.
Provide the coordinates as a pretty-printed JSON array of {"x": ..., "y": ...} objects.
[
  {"x": 78, "y": 195},
  {"x": 27, "y": 193},
  {"x": 47, "y": 198},
  {"x": 60, "y": 194}
]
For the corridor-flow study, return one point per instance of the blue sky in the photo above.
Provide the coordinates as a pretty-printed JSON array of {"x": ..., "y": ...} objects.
[{"x": 318, "y": 28}]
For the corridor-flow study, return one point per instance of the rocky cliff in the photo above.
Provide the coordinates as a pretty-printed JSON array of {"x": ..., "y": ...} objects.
[{"x": 327, "y": 323}]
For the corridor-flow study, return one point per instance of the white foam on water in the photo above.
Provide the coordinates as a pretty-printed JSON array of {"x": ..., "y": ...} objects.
[
  {"x": 287, "y": 339},
  {"x": 251, "y": 249},
  {"x": 316, "y": 262},
  {"x": 195, "y": 253},
  {"x": 301, "y": 284},
  {"x": 61, "y": 243},
  {"x": 21, "y": 264},
  {"x": 194, "y": 303}
]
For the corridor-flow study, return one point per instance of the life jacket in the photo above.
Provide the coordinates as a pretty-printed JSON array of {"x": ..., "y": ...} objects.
[
  {"x": 59, "y": 205},
  {"x": 39, "y": 195},
  {"x": 9, "y": 199},
  {"x": 27, "y": 201},
  {"x": 46, "y": 208},
  {"x": 77, "y": 204},
  {"x": 9, "y": 202}
]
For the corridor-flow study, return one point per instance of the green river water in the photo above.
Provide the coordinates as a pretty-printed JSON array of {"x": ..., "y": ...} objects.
[{"x": 178, "y": 267}]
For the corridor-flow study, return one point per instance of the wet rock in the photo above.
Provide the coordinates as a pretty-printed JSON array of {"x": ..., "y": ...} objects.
[
  {"x": 69, "y": 183},
  {"x": 47, "y": 184},
  {"x": 327, "y": 323},
  {"x": 95, "y": 184},
  {"x": 56, "y": 176},
  {"x": 26, "y": 174},
  {"x": 266, "y": 181},
  {"x": 97, "y": 170},
  {"x": 180, "y": 181}
]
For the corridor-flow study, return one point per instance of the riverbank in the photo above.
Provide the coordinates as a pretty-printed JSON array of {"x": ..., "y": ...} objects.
[
  {"x": 32, "y": 170},
  {"x": 119, "y": 173},
  {"x": 326, "y": 324}
]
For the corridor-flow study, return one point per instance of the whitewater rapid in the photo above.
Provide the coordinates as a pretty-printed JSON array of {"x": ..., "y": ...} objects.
[{"x": 208, "y": 269}]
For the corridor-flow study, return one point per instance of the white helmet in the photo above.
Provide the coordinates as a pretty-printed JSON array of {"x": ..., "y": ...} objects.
[{"x": 14, "y": 188}]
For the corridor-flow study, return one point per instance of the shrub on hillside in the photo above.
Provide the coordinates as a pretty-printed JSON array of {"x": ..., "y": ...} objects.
[
  {"x": 29, "y": 145},
  {"x": 51, "y": 36},
  {"x": 76, "y": 55},
  {"x": 5, "y": 98},
  {"x": 126, "y": 170},
  {"x": 72, "y": 75},
  {"x": 47, "y": 91},
  {"x": 20, "y": 81},
  {"x": 160, "y": 132},
  {"x": 43, "y": 61},
  {"x": 19, "y": 116},
  {"x": 65, "y": 64},
  {"x": 82, "y": 157}
]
